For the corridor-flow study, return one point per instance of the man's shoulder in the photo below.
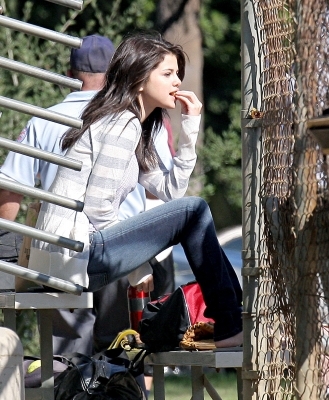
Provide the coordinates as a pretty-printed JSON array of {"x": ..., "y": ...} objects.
[
  {"x": 74, "y": 99},
  {"x": 72, "y": 105}
]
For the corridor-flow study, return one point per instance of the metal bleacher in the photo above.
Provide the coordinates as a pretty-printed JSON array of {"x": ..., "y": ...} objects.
[{"x": 66, "y": 294}]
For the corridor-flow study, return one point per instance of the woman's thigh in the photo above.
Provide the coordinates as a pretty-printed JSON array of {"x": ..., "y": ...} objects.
[{"x": 118, "y": 250}]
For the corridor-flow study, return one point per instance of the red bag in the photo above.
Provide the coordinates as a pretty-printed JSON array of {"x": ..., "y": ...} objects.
[{"x": 164, "y": 321}]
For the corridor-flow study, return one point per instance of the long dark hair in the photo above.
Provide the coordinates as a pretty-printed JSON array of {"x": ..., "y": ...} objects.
[{"x": 132, "y": 63}]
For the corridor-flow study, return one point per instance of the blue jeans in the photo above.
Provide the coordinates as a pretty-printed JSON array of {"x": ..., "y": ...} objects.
[{"x": 118, "y": 250}]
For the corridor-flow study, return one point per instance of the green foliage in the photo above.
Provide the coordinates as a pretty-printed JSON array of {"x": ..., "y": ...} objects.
[
  {"x": 20, "y": 47},
  {"x": 113, "y": 19},
  {"x": 27, "y": 330},
  {"x": 220, "y": 25},
  {"x": 178, "y": 387},
  {"x": 221, "y": 155}
]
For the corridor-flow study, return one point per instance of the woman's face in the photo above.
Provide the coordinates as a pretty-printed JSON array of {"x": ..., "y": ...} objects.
[{"x": 160, "y": 89}]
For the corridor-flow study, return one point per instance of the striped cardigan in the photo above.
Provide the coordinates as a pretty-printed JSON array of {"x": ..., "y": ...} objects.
[{"x": 109, "y": 172}]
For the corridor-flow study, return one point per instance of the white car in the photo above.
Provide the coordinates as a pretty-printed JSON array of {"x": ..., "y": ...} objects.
[{"x": 231, "y": 241}]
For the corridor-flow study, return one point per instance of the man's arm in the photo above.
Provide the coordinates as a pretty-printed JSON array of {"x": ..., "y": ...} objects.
[{"x": 9, "y": 204}]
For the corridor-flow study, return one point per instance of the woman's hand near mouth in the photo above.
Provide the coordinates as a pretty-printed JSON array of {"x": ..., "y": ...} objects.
[{"x": 190, "y": 104}]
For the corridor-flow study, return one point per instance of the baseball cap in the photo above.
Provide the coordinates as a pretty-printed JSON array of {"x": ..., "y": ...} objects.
[{"x": 94, "y": 54}]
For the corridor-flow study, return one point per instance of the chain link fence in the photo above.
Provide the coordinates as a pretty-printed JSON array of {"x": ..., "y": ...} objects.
[{"x": 291, "y": 334}]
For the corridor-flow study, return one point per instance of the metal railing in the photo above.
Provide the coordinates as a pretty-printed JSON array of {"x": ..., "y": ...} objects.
[
  {"x": 74, "y": 4},
  {"x": 40, "y": 112},
  {"x": 22, "y": 107},
  {"x": 40, "y": 194},
  {"x": 41, "y": 154},
  {"x": 38, "y": 31},
  {"x": 38, "y": 277},
  {"x": 40, "y": 73}
]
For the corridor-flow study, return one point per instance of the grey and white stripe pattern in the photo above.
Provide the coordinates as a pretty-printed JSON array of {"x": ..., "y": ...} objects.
[{"x": 110, "y": 171}]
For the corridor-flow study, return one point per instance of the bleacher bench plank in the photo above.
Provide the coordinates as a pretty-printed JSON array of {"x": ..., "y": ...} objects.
[
  {"x": 44, "y": 303},
  {"x": 197, "y": 360}
]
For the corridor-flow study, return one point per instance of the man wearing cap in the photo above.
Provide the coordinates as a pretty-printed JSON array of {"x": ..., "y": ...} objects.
[
  {"x": 87, "y": 64},
  {"x": 74, "y": 331}
]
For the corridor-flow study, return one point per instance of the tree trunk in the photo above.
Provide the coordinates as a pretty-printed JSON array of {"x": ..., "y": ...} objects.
[{"x": 178, "y": 20}]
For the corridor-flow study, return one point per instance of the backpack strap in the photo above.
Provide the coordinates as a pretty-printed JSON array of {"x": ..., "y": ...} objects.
[{"x": 138, "y": 360}]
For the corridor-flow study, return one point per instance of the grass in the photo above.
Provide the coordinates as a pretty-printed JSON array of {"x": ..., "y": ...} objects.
[{"x": 178, "y": 387}]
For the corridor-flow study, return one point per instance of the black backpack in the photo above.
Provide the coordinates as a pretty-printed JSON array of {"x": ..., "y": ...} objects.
[{"x": 164, "y": 321}]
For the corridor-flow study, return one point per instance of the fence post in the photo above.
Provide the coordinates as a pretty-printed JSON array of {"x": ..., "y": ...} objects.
[{"x": 251, "y": 208}]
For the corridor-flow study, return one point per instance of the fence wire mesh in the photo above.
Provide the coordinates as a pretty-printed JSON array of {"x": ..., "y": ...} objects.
[{"x": 292, "y": 319}]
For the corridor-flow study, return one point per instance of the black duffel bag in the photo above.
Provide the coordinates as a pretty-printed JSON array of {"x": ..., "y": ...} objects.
[{"x": 109, "y": 375}]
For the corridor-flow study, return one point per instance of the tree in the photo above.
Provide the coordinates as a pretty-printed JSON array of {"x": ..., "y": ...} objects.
[
  {"x": 179, "y": 23},
  {"x": 221, "y": 155},
  {"x": 209, "y": 32}
]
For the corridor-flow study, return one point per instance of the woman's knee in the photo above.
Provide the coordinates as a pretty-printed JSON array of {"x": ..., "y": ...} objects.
[{"x": 197, "y": 203}]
